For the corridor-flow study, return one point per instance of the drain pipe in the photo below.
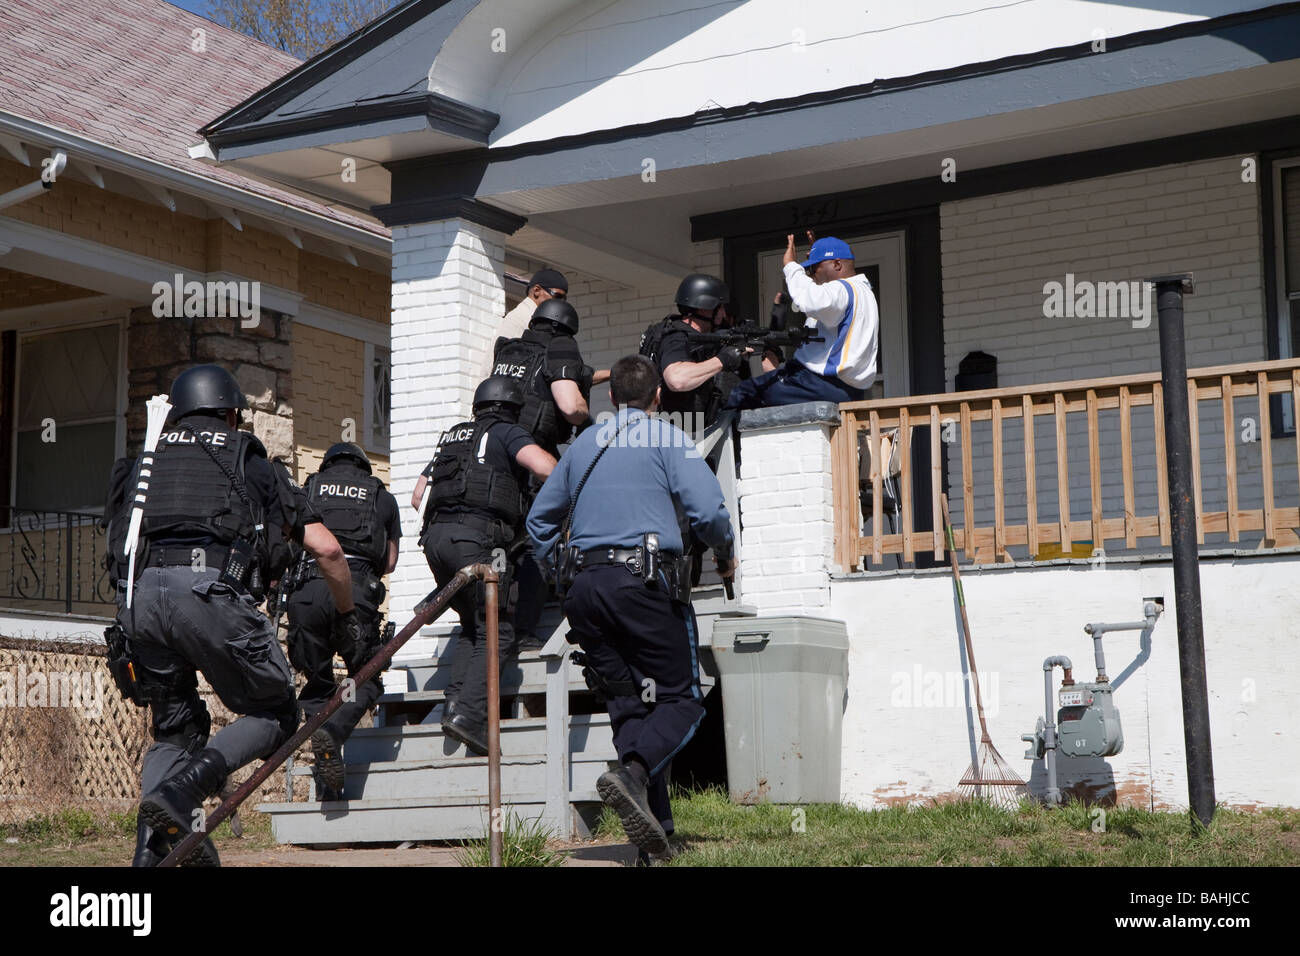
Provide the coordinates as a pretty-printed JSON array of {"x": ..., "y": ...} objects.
[
  {"x": 1049, "y": 722},
  {"x": 59, "y": 162}
]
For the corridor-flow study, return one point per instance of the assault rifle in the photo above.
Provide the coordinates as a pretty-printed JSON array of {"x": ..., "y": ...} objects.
[{"x": 754, "y": 336}]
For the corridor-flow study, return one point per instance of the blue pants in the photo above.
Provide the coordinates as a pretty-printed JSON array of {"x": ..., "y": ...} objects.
[
  {"x": 634, "y": 633},
  {"x": 791, "y": 384}
]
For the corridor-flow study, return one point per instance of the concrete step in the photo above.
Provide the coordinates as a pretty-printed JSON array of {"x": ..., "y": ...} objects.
[
  {"x": 434, "y": 673},
  {"x": 394, "y": 821},
  {"x": 464, "y": 778},
  {"x": 589, "y": 734}
]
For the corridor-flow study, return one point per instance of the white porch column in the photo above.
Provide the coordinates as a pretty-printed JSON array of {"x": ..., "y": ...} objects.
[
  {"x": 448, "y": 299},
  {"x": 786, "y": 508}
]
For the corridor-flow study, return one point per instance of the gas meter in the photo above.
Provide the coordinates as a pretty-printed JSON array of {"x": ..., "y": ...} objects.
[{"x": 1087, "y": 720}]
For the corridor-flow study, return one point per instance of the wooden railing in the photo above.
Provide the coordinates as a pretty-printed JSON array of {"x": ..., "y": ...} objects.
[{"x": 950, "y": 418}]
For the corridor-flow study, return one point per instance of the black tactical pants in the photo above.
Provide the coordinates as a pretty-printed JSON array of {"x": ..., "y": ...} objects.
[
  {"x": 185, "y": 620},
  {"x": 312, "y": 647},
  {"x": 634, "y": 633},
  {"x": 448, "y": 548}
]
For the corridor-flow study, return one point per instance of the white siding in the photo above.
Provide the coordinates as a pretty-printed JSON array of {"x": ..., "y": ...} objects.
[{"x": 999, "y": 251}]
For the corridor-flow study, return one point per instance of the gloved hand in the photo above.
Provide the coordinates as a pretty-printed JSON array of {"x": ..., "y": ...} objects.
[
  {"x": 732, "y": 355},
  {"x": 347, "y": 635}
]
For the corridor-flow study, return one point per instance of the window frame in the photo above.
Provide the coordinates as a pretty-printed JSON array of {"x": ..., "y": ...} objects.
[
  {"x": 1277, "y": 302},
  {"x": 375, "y": 444},
  {"x": 120, "y": 405}
]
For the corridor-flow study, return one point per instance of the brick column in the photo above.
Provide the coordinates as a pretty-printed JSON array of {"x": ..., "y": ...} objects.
[
  {"x": 786, "y": 507},
  {"x": 448, "y": 299}
]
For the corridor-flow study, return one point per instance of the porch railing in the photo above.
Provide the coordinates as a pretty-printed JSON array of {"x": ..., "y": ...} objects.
[
  {"x": 1066, "y": 468},
  {"x": 52, "y": 558}
]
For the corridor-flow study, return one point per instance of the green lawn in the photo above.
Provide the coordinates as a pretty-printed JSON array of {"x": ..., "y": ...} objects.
[{"x": 720, "y": 833}]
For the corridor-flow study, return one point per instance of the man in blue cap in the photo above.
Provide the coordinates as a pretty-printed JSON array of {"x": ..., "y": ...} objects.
[{"x": 841, "y": 367}]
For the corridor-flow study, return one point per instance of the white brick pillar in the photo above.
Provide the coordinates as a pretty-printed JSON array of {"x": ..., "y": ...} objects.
[
  {"x": 448, "y": 299},
  {"x": 786, "y": 507}
]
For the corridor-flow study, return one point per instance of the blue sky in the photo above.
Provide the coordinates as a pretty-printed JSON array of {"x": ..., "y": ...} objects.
[{"x": 194, "y": 6}]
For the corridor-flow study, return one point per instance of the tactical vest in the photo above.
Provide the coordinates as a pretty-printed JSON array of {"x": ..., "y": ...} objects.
[
  {"x": 463, "y": 481},
  {"x": 705, "y": 399},
  {"x": 524, "y": 359},
  {"x": 193, "y": 497},
  {"x": 347, "y": 500}
]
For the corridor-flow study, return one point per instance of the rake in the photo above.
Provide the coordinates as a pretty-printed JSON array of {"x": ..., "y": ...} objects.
[{"x": 990, "y": 777}]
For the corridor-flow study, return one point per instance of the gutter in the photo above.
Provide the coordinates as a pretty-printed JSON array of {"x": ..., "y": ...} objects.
[{"x": 110, "y": 157}]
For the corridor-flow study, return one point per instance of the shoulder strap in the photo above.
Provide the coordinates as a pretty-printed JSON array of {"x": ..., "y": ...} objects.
[
  {"x": 573, "y": 501},
  {"x": 236, "y": 481}
]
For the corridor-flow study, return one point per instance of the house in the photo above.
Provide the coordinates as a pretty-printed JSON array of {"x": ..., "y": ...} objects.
[
  {"x": 104, "y": 295},
  {"x": 1008, "y": 176}
]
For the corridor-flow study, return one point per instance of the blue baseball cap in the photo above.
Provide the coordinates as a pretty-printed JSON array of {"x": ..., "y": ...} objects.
[{"x": 828, "y": 248}]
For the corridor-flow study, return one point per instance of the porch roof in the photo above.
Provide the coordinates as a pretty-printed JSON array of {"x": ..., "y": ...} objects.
[{"x": 446, "y": 131}]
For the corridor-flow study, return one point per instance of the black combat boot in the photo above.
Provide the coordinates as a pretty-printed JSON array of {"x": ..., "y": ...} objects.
[
  {"x": 169, "y": 810},
  {"x": 330, "y": 772},
  {"x": 625, "y": 790},
  {"x": 150, "y": 847}
]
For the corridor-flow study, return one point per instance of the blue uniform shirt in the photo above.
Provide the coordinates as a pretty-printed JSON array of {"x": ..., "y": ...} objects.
[{"x": 637, "y": 486}]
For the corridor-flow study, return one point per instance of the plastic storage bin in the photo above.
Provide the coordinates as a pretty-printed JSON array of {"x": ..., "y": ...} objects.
[{"x": 783, "y": 685}]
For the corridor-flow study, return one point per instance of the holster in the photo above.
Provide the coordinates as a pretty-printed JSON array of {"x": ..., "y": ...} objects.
[
  {"x": 599, "y": 685},
  {"x": 565, "y": 568},
  {"x": 124, "y": 666}
]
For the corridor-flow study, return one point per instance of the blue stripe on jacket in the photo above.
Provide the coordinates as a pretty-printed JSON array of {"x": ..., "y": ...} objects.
[{"x": 833, "y": 360}]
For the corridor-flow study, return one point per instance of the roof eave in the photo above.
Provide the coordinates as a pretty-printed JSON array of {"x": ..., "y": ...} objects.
[{"x": 201, "y": 187}]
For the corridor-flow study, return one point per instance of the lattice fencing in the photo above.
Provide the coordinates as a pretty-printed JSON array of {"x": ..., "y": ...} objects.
[{"x": 68, "y": 739}]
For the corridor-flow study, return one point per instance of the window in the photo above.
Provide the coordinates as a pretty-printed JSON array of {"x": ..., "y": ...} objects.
[
  {"x": 378, "y": 398},
  {"x": 67, "y": 418},
  {"x": 1286, "y": 224}
]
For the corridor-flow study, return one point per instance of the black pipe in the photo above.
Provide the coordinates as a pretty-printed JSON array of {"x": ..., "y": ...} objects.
[{"x": 1182, "y": 517}]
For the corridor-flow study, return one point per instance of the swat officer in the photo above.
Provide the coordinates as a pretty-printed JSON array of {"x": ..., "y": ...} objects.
[
  {"x": 362, "y": 514},
  {"x": 212, "y": 499},
  {"x": 692, "y": 370},
  {"x": 546, "y": 362},
  {"x": 628, "y": 601},
  {"x": 477, "y": 482}
]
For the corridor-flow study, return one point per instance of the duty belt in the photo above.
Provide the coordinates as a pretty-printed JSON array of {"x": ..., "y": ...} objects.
[
  {"x": 184, "y": 555},
  {"x": 491, "y": 526},
  {"x": 630, "y": 558},
  {"x": 311, "y": 569}
]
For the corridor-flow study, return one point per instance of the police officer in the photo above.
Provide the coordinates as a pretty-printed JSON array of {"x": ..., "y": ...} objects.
[
  {"x": 477, "y": 482},
  {"x": 693, "y": 372},
  {"x": 212, "y": 498},
  {"x": 546, "y": 362},
  {"x": 362, "y": 514},
  {"x": 628, "y": 603}
]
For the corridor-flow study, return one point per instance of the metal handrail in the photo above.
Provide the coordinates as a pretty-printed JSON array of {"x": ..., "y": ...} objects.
[{"x": 425, "y": 613}]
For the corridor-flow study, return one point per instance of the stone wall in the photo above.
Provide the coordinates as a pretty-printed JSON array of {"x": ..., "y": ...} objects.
[{"x": 261, "y": 358}]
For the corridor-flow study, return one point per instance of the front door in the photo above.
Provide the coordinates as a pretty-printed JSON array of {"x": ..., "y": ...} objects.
[{"x": 880, "y": 257}]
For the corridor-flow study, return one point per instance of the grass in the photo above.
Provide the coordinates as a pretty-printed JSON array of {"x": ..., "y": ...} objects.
[
  {"x": 77, "y": 837},
  {"x": 524, "y": 843},
  {"x": 720, "y": 833}
]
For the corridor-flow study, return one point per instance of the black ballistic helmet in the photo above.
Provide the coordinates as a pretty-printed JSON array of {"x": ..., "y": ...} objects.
[
  {"x": 204, "y": 387},
  {"x": 343, "y": 449},
  {"x": 559, "y": 312},
  {"x": 499, "y": 390},
  {"x": 702, "y": 292}
]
